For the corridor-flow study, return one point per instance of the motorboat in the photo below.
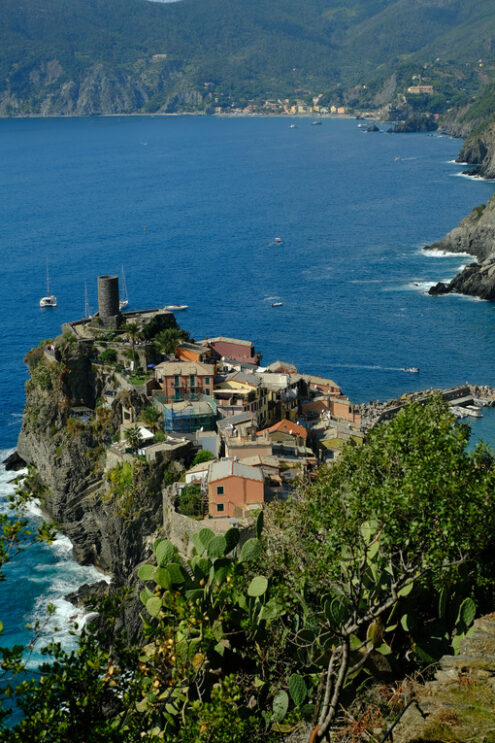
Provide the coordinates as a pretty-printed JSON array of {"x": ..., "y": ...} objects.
[
  {"x": 277, "y": 304},
  {"x": 49, "y": 300},
  {"x": 277, "y": 241},
  {"x": 316, "y": 123},
  {"x": 292, "y": 126},
  {"x": 412, "y": 369},
  {"x": 175, "y": 307},
  {"x": 473, "y": 411}
]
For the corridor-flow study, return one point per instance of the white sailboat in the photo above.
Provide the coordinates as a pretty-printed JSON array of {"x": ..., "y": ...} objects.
[
  {"x": 50, "y": 300},
  {"x": 125, "y": 299}
]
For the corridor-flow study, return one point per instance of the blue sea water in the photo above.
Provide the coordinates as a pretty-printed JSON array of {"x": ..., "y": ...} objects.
[{"x": 190, "y": 207}]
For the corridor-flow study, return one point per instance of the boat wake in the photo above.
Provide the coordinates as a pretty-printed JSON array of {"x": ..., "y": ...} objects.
[{"x": 371, "y": 367}]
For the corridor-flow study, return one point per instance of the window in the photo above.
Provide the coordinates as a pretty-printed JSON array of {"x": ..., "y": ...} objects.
[
  {"x": 207, "y": 380},
  {"x": 220, "y": 506},
  {"x": 219, "y": 489},
  {"x": 207, "y": 390},
  {"x": 176, "y": 380},
  {"x": 191, "y": 380}
]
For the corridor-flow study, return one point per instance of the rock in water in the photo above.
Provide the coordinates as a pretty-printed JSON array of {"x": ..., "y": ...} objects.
[{"x": 14, "y": 463}]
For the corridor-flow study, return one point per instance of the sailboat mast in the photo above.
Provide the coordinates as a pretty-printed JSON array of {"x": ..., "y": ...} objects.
[
  {"x": 86, "y": 301},
  {"x": 47, "y": 280}
]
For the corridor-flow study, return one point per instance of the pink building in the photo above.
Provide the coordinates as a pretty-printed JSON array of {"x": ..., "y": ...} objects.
[
  {"x": 233, "y": 348},
  {"x": 234, "y": 489}
]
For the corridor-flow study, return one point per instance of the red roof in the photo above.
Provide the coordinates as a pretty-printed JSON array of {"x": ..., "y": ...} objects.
[{"x": 287, "y": 427}]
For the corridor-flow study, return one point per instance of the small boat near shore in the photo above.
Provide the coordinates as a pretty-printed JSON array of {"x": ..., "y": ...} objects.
[
  {"x": 176, "y": 307},
  {"x": 473, "y": 411}
]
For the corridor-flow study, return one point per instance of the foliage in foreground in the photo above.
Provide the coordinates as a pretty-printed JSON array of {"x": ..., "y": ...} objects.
[{"x": 386, "y": 554}]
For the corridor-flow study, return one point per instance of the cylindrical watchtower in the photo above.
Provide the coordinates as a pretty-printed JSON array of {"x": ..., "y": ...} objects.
[{"x": 108, "y": 301}]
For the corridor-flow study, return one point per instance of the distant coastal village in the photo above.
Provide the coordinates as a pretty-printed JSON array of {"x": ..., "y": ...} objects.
[{"x": 236, "y": 433}]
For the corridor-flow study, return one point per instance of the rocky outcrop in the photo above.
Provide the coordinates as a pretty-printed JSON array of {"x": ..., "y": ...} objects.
[
  {"x": 419, "y": 123},
  {"x": 476, "y": 280},
  {"x": 475, "y": 235},
  {"x": 479, "y": 150},
  {"x": 460, "y": 704}
]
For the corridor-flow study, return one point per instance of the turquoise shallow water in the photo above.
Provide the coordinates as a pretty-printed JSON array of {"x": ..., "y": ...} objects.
[{"x": 191, "y": 206}]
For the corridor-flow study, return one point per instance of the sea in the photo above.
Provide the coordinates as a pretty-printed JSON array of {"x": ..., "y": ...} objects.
[{"x": 190, "y": 208}]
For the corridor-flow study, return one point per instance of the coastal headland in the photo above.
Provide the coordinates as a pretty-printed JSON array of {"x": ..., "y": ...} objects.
[{"x": 129, "y": 423}]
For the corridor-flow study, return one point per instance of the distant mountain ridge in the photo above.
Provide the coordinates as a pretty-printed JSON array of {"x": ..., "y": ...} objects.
[{"x": 80, "y": 57}]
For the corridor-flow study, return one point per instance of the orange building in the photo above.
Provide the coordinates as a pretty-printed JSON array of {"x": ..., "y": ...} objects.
[{"x": 234, "y": 489}]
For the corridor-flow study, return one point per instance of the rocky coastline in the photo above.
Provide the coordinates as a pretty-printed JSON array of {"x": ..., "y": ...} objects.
[{"x": 474, "y": 236}]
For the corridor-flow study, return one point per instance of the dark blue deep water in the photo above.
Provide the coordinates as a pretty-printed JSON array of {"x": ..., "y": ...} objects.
[{"x": 190, "y": 207}]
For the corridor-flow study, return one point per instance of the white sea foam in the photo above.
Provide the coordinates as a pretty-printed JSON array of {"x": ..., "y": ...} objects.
[
  {"x": 444, "y": 254},
  {"x": 58, "y": 576},
  {"x": 470, "y": 177}
]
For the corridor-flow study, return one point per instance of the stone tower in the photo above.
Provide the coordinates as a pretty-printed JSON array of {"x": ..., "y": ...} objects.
[{"x": 108, "y": 301}]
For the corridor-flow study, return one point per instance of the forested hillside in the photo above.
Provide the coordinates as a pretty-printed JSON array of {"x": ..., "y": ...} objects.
[{"x": 104, "y": 56}]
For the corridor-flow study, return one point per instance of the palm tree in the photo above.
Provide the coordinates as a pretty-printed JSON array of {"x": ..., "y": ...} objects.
[
  {"x": 132, "y": 330},
  {"x": 167, "y": 340},
  {"x": 134, "y": 438}
]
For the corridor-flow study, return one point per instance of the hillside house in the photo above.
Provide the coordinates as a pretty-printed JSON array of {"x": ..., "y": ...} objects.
[
  {"x": 242, "y": 392},
  {"x": 181, "y": 380},
  {"x": 232, "y": 348},
  {"x": 285, "y": 431},
  {"x": 234, "y": 489}
]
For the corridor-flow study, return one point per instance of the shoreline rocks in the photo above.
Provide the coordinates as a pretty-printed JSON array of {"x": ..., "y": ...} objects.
[{"x": 476, "y": 280}]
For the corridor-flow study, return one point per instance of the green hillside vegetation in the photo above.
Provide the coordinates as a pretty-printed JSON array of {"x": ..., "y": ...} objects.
[
  {"x": 243, "y": 51},
  {"x": 371, "y": 572}
]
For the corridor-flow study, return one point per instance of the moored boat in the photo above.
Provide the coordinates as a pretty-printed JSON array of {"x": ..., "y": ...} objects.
[
  {"x": 49, "y": 300},
  {"x": 473, "y": 411}
]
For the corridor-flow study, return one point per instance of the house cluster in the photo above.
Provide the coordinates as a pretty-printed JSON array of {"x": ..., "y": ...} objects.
[
  {"x": 263, "y": 425},
  {"x": 288, "y": 107}
]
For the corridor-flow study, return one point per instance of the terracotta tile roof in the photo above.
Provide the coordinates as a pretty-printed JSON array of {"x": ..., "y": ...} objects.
[{"x": 287, "y": 427}]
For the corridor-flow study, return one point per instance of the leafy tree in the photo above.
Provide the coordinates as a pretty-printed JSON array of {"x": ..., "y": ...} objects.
[
  {"x": 405, "y": 510},
  {"x": 109, "y": 356},
  {"x": 203, "y": 456},
  {"x": 190, "y": 502},
  {"x": 151, "y": 416}
]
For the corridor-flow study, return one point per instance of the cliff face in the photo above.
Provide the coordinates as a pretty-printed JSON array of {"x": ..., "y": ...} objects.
[
  {"x": 479, "y": 150},
  {"x": 475, "y": 235},
  {"x": 69, "y": 457},
  {"x": 49, "y": 90}
]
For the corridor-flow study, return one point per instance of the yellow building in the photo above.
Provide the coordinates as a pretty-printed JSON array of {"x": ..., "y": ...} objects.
[{"x": 241, "y": 392}]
